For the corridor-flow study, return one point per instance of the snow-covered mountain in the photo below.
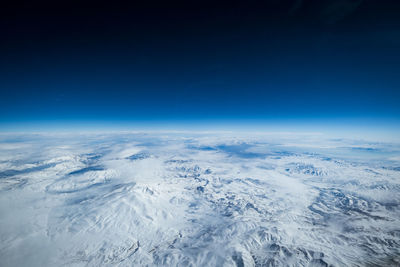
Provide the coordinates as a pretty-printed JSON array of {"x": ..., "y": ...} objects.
[{"x": 198, "y": 199}]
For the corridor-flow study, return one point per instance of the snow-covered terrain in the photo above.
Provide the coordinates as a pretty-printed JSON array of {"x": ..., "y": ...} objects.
[{"x": 198, "y": 199}]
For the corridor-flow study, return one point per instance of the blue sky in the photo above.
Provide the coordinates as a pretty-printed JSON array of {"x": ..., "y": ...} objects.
[{"x": 316, "y": 62}]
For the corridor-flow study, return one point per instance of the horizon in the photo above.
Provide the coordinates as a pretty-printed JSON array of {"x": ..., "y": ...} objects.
[
  {"x": 200, "y": 133},
  {"x": 388, "y": 129}
]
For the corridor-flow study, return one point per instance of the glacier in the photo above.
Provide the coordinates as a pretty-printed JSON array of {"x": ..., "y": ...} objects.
[{"x": 198, "y": 199}]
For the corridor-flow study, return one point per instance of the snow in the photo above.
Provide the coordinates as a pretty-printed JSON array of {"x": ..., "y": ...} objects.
[{"x": 200, "y": 199}]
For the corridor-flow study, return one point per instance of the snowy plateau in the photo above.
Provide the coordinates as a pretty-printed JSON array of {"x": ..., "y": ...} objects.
[{"x": 198, "y": 199}]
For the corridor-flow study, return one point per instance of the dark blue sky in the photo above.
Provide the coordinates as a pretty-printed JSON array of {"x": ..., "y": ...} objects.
[{"x": 199, "y": 61}]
